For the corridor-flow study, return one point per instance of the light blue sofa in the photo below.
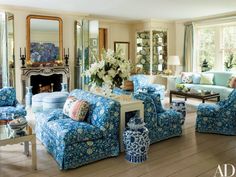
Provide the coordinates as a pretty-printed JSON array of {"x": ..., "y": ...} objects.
[
  {"x": 218, "y": 118},
  {"x": 162, "y": 124},
  {"x": 9, "y": 105},
  {"x": 73, "y": 143},
  {"x": 220, "y": 84}
]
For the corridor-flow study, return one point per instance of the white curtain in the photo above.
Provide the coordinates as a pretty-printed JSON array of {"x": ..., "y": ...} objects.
[{"x": 188, "y": 47}]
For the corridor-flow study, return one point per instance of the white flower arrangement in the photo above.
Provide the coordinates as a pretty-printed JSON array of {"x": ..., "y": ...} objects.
[{"x": 111, "y": 70}]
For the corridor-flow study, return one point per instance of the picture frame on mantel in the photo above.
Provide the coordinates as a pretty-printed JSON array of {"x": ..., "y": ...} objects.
[{"x": 44, "y": 39}]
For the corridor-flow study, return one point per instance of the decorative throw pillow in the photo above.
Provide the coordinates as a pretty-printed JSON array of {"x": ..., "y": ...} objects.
[
  {"x": 196, "y": 78},
  {"x": 207, "y": 78},
  {"x": 232, "y": 82},
  {"x": 75, "y": 109},
  {"x": 7, "y": 96},
  {"x": 186, "y": 77}
]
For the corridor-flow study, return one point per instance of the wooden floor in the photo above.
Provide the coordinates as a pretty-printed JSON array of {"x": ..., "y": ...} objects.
[{"x": 193, "y": 154}]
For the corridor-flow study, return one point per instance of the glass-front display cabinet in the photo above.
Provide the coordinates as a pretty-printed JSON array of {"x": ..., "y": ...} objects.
[
  {"x": 152, "y": 51},
  {"x": 143, "y": 50}
]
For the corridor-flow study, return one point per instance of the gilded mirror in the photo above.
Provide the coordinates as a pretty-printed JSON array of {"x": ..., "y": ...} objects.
[
  {"x": 123, "y": 47},
  {"x": 44, "y": 40}
]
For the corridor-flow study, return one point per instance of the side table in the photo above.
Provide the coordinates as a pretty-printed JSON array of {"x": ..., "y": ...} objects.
[
  {"x": 128, "y": 106},
  {"x": 4, "y": 140}
]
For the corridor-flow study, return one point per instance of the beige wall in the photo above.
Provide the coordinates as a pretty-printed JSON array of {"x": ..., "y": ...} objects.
[
  {"x": 118, "y": 31},
  {"x": 179, "y": 43}
]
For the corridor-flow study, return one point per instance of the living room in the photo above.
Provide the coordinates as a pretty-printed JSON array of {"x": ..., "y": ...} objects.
[{"x": 117, "y": 88}]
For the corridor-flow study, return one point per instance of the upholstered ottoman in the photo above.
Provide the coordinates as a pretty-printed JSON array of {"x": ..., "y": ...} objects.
[
  {"x": 37, "y": 101},
  {"x": 54, "y": 100}
]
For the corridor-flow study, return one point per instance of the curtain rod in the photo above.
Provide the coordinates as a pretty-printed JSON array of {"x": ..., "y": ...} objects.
[{"x": 213, "y": 19}]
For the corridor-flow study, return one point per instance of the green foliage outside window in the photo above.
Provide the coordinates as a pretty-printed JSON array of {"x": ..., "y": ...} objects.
[{"x": 207, "y": 46}]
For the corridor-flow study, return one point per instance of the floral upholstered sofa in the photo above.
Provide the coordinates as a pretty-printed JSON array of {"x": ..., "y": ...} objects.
[
  {"x": 218, "y": 118},
  {"x": 74, "y": 143},
  {"x": 162, "y": 124},
  {"x": 9, "y": 106}
]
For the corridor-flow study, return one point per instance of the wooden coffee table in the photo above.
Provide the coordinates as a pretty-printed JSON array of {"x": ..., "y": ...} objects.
[{"x": 200, "y": 96}]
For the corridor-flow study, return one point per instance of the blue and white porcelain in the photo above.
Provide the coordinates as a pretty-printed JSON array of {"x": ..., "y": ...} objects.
[
  {"x": 64, "y": 87},
  {"x": 136, "y": 141},
  {"x": 179, "y": 106},
  {"x": 28, "y": 97}
]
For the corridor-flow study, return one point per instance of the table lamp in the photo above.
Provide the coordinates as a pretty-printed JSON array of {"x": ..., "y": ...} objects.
[{"x": 173, "y": 61}]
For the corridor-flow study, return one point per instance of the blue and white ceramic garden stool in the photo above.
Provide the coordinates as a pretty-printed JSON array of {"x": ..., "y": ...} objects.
[
  {"x": 136, "y": 141},
  {"x": 179, "y": 106}
]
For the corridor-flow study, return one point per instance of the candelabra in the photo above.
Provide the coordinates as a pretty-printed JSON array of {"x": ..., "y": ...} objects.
[
  {"x": 22, "y": 58},
  {"x": 66, "y": 57}
]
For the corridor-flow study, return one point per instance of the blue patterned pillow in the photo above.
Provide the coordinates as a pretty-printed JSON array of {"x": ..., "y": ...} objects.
[{"x": 7, "y": 96}]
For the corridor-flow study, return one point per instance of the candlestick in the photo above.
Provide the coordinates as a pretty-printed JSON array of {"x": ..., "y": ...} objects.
[
  {"x": 64, "y": 51},
  {"x": 25, "y": 51},
  {"x": 20, "y": 51},
  {"x": 68, "y": 52}
]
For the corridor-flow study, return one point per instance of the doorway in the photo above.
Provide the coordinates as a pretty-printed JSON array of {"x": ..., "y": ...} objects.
[{"x": 102, "y": 40}]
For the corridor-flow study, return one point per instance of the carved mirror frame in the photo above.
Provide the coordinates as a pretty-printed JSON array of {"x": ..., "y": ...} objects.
[{"x": 41, "y": 17}]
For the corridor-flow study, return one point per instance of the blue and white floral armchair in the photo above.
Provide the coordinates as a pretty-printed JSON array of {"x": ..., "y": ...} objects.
[
  {"x": 9, "y": 105},
  {"x": 74, "y": 143},
  {"x": 162, "y": 124},
  {"x": 219, "y": 118},
  {"x": 142, "y": 81}
]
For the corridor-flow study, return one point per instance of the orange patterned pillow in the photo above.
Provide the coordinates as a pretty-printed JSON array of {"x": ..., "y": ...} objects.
[{"x": 76, "y": 109}]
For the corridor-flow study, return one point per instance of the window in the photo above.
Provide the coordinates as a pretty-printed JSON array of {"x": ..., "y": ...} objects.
[
  {"x": 216, "y": 48},
  {"x": 229, "y": 47}
]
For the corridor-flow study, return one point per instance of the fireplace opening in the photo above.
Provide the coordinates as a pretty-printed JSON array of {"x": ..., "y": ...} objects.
[{"x": 42, "y": 83}]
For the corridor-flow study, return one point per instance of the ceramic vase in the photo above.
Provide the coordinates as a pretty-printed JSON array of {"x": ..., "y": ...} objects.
[
  {"x": 136, "y": 141},
  {"x": 63, "y": 87},
  {"x": 28, "y": 97}
]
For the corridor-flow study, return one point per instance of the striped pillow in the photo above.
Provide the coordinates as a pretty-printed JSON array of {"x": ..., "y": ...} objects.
[{"x": 75, "y": 109}]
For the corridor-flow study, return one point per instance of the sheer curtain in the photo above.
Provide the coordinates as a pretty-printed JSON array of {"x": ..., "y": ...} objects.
[{"x": 188, "y": 58}]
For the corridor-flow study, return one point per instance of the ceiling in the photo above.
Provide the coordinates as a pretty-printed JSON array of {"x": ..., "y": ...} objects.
[{"x": 134, "y": 9}]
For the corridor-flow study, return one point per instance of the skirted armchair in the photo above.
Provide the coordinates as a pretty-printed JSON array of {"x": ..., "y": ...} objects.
[
  {"x": 162, "y": 124},
  {"x": 142, "y": 81},
  {"x": 9, "y": 106},
  {"x": 219, "y": 118}
]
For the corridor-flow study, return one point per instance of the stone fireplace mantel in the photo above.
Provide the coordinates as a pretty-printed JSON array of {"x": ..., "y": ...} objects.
[{"x": 27, "y": 72}]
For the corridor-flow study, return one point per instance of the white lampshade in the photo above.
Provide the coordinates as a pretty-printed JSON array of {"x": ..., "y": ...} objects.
[{"x": 173, "y": 60}]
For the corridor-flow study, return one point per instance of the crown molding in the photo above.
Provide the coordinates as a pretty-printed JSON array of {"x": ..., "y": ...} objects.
[{"x": 11, "y": 8}]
